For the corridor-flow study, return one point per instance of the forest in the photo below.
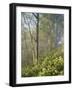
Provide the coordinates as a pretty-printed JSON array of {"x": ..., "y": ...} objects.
[{"x": 42, "y": 44}]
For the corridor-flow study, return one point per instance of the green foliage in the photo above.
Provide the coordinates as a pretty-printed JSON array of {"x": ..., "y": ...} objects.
[{"x": 50, "y": 65}]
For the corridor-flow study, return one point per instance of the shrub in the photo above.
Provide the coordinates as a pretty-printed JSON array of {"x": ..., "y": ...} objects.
[{"x": 50, "y": 65}]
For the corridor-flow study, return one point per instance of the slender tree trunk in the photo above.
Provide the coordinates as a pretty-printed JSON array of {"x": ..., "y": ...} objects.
[
  {"x": 55, "y": 33},
  {"x": 37, "y": 36},
  {"x": 32, "y": 46}
]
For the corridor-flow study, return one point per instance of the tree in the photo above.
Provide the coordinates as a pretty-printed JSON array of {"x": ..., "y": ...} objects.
[{"x": 31, "y": 22}]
